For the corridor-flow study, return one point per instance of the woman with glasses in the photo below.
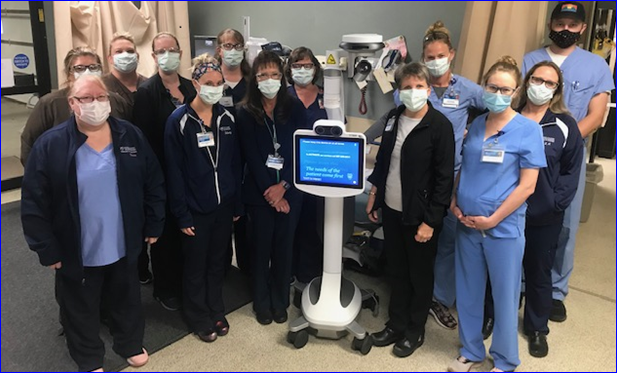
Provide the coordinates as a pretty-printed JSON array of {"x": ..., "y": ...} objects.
[
  {"x": 303, "y": 71},
  {"x": 267, "y": 119},
  {"x": 155, "y": 100},
  {"x": 542, "y": 101},
  {"x": 204, "y": 177},
  {"x": 502, "y": 155},
  {"x": 92, "y": 192},
  {"x": 53, "y": 108}
]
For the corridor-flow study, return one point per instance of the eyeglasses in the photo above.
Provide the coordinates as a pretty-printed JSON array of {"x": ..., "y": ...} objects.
[
  {"x": 539, "y": 81},
  {"x": 229, "y": 46},
  {"x": 161, "y": 51},
  {"x": 91, "y": 99},
  {"x": 305, "y": 66},
  {"x": 264, "y": 76},
  {"x": 506, "y": 91},
  {"x": 95, "y": 67}
]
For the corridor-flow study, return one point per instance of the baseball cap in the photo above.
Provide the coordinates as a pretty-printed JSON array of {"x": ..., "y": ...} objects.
[{"x": 569, "y": 9}]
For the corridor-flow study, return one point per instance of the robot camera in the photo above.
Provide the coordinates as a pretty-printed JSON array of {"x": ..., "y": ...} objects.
[{"x": 332, "y": 131}]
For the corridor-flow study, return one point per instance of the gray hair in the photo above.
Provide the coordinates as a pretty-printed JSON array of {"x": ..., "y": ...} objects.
[{"x": 415, "y": 69}]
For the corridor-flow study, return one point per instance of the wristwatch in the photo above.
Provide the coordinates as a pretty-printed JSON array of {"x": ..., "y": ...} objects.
[{"x": 286, "y": 185}]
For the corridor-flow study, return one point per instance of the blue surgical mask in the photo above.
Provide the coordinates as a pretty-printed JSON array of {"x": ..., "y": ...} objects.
[
  {"x": 302, "y": 77},
  {"x": 210, "y": 95},
  {"x": 233, "y": 57},
  {"x": 269, "y": 87},
  {"x": 495, "y": 102},
  {"x": 169, "y": 61},
  {"x": 539, "y": 94},
  {"x": 125, "y": 62},
  {"x": 414, "y": 99}
]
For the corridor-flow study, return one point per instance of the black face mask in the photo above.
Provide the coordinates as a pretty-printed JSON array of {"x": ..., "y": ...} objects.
[{"x": 564, "y": 38}]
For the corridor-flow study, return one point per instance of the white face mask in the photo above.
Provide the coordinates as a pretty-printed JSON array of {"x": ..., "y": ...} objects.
[
  {"x": 539, "y": 94},
  {"x": 125, "y": 62},
  {"x": 438, "y": 67},
  {"x": 233, "y": 57},
  {"x": 94, "y": 113},
  {"x": 414, "y": 99},
  {"x": 302, "y": 77},
  {"x": 86, "y": 72},
  {"x": 211, "y": 95},
  {"x": 269, "y": 88},
  {"x": 169, "y": 61}
]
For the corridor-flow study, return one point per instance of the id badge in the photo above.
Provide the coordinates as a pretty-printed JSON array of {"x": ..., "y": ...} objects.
[
  {"x": 205, "y": 139},
  {"x": 275, "y": 162},
  {"x": 493, "y": 154},
  {"x": 227, "y": 101},
  {"x": 389, "y": 125},
  {"x": 450, "y": 102}
]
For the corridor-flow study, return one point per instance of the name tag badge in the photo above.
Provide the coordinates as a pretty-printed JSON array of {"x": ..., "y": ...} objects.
[
  {"x": 227, "y": 101},
  {"x": 275, "y": 162},
  {"x": 390, "y": 125},
  {"x": 450, "y": 102},
  {"x": 493, "y": 154},
  {"x": 205, "y": 139}
]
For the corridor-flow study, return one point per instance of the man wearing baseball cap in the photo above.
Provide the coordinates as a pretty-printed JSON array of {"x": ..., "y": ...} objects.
[{"x": 588, "y": 82}]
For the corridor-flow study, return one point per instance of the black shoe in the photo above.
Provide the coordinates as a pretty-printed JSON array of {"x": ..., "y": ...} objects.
[
  {"x": 264, "y": 318},
  {"x": 386, "y": 337},
  {"x": 538, "y": 347},
  {"x": 279, "y": 317},
  {"x": 487, "y": 327},
  {"x": 558, "y": 312},
  {"x": 170, "y": 304},
  {"x": 145, "y": 278},
  {"x": 207, "y": 335},
  {"x": 406, "y": 347},
  {"x": 222, "y": 327}
]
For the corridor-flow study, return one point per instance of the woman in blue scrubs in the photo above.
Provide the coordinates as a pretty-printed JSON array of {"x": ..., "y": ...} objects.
[
  {"x": 502, "y": 155},
  {"x": 302, "y": 72}
]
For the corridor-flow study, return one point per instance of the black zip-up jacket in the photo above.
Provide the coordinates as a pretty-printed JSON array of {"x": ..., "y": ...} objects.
[
  {"x": 152, "y": 107},
  {"x": 427, "y": 167},
  {"x": 50, "y": 204},
  {"x": 557, "y": 183},
  {"x": 193, "y": 182}
]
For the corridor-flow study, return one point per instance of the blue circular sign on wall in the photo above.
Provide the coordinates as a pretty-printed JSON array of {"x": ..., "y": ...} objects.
[{"x": 21, "y": 61}]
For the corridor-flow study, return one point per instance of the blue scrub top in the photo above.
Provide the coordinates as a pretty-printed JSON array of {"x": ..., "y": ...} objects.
[
  {"x": 484, "y": 186},
  {"x": 100, "y": 214},
  {"x": 585, "y": 75},
  {"x": 461, "y": 95},
  {"x": 315, "y": 111}
]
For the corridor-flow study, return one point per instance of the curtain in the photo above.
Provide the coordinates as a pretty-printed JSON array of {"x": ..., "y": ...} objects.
[
  {"x": 492, "y": 29},
  {"x": 93, "y": 23}
]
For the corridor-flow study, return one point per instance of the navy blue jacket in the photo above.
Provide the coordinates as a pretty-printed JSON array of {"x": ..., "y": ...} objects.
[
  {"x": 557, "y": 183},
  {"x": 50, "y": 205},
  {"x": 427, "y": 167},
  {"x": 237, "y": 95},
  {"x": 194, "y": 183},
  {"x": 257, "y": 144}
]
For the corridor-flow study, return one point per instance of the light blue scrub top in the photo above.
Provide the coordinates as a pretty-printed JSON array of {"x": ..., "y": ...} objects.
[
  {"x": 469, "y": 95},
  {"x": 102, "y": 229},
  {"x": 585, "y": 75},
  {"x": 484, "y": 186}
]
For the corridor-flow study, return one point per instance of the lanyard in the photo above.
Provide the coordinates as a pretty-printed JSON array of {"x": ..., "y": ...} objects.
[
  {"x": 272, "y": 133},
  {"x": 215, "y": 163}
]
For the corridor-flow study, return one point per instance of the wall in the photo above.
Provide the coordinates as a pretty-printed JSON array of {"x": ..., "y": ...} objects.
[
  {"x": 16, "y": 27},
  {"x": 319, "y": 26}
]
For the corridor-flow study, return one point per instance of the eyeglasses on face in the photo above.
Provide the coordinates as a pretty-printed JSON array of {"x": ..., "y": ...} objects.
[
  {"x": 305, "y": 66},
  {"x": 95, "y": 67},
  {"x": 161, "y": 51},
  {"x": 506, "y": 91},
  {"x": 539, "y": 81},
  {"x": 91, "y": 99},
  {"x": 230, "y": 46}
]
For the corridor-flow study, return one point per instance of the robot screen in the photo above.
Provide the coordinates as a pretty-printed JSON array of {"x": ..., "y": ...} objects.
[{"x": 329, "y": 161}]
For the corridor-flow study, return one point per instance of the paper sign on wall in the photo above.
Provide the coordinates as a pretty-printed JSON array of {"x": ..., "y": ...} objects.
[{"x": 7, "y": 73}]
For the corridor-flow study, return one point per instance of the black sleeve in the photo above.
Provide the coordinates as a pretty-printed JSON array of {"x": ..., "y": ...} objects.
[
  {"x": 238, "y": 170},
  {"x": 175, "y": 179},
  {"x": 248, "y": 141},
  {"x": 443, "y": 161},
  {"x": 570, "y": 166},
  {"x": 144, "y": 113},
  {"x": 154, "y": 194}
]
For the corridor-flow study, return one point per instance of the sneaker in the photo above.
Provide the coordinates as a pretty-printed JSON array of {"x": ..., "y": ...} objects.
[
  {"x": 462, "y": 364},
  {"x": 442, "y": 316},
  {"x": 558, "y": 311},
  {"x": 145, "y": 278},
  {"x": 170, "y": 304}
]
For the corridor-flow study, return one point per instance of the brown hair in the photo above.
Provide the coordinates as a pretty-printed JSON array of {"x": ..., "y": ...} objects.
[
  {"x": 298, "y": 54},
  {"x": 236, "y": 35},
  {"x": 415, "y": 69},
  {"x": 557, "y": 104},
  {"x": 436, "y": 32},
  {"x": 84, "y": 51},
  {"x": 122, "y": 36},
  {"x": 505, "y": 64},
  {"x": 163, "y": 35}
]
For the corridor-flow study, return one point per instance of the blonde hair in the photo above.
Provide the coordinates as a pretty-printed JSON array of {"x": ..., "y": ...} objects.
[
  {"x": 437, "y": 32},
  {"x": 505, "y": 64},
  {"x": 165, "y": 34},
  {"x": 74, "y": 53},
  {"x": 87, "y": 79},
  {"x": 122, "y": 36}
]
